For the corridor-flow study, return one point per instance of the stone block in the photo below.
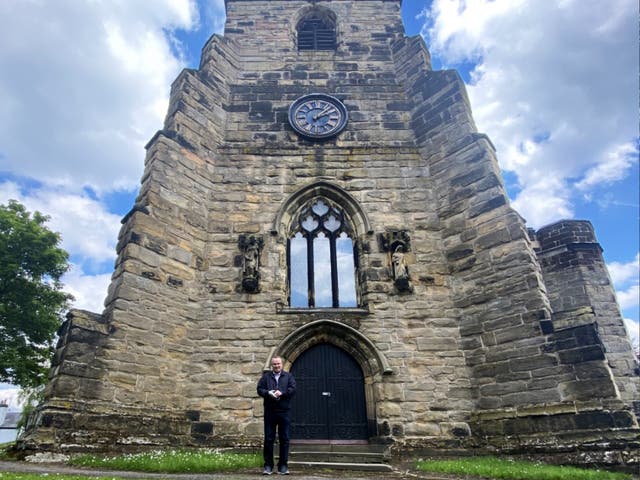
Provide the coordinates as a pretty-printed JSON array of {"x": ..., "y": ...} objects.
[
  {"x": 580, "y": 355},
  {"x": 532, "y": 363},
  {"x": 584, "y": 371},
  {"x": 492, "y": 370},
  {"x": 587, "y": 389},
  {"x": 487, "y": 206},
  {"x": 532, "y": 397},
  {"x": 492, "y": 239},
  {"x": 423, "y": 429},
  {"x": 497, "y": 389}
]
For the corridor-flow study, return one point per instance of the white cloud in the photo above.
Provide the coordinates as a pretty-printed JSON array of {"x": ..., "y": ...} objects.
[
  {"x": 88, "y": 233},
  {"x": 613, "y": 167},
  {"x": 555, "y": 88},
  {"x": 628, "y": 298},
  {"x": 213, "y": 13},
  {"x": 544, "y": 201},
  {"x": 83, "y": 86},
  {"x": 88, "y": 230},
  {"x": 89, "y": 291},
  {"x": 459, "y": 30},
  {"x": 623, "y": 272},
  {"x": 626, "y": 279},
  {"x": 633, "y": 329}
]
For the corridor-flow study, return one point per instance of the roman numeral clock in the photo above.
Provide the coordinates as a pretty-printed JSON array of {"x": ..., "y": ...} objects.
[{"x": 318, "y": 116}]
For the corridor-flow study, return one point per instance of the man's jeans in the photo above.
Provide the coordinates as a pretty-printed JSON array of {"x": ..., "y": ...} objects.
[{"x": 271, "y": 421}]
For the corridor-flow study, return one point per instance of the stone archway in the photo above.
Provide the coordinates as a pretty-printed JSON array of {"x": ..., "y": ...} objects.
[{"x": 372, "y": 362}]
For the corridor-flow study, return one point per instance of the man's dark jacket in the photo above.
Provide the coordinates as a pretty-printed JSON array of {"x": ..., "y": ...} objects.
[{"x": 286, "y": 384}]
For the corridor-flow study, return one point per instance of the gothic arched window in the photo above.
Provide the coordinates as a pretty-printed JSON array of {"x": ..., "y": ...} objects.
[
  {"x": 316, "y": 32},
  {"x": 321, "y": 258}
]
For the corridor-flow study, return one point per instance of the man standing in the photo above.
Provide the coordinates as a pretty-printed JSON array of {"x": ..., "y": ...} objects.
[{"x": 277, "y": 387}]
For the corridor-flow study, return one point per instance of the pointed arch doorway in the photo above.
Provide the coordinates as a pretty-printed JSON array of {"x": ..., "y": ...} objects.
[{"x": 330, "y": 404}]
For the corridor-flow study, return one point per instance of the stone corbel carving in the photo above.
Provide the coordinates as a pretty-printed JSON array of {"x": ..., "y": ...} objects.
[
  {"x": 397, "y": 243},
  {"x": 251, "y": 248}
]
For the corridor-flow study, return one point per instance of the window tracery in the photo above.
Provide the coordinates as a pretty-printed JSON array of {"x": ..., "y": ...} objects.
[{"x": 321, "y": 258}]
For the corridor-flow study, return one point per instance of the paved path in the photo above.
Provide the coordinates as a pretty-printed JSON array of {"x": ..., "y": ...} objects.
[{"x": 51, "y": 468}]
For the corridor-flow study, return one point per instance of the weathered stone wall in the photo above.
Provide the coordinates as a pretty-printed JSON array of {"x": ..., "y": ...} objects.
[
  {"x": 496, "y": 282},
  {"x": 181, "y": 345},
  {"x": 72, "y": 372},
  {"x": 580, "y": 291}
]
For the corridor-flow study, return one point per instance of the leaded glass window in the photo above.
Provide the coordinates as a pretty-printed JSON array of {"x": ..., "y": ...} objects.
[{"x": 322, "y": 261}]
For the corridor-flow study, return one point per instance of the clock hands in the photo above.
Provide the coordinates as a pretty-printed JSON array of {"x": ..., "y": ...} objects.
[{"x": 325, "y": 111}]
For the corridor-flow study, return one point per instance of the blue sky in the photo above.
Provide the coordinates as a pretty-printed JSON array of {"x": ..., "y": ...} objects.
[{"x": 84, "y": 86}]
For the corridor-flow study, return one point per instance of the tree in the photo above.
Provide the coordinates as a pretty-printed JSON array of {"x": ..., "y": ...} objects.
[{"x": 31, "y": 298}]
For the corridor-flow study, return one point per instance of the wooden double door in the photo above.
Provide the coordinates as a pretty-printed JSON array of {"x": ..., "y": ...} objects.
[{"x": 330, "y": 400}]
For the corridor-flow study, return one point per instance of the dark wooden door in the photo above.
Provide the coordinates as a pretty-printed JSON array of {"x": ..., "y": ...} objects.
[{"x": 330, "y": 402}]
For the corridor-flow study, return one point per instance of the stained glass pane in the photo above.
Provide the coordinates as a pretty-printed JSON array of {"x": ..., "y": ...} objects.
[
  {"x": 346, "y": 271},
  {"x": 298, "y": 269},
  {"x": 322, "y": 271}
]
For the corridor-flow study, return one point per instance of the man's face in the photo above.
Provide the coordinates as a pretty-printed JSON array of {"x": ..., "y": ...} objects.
[{"x": 276, "y": 364}]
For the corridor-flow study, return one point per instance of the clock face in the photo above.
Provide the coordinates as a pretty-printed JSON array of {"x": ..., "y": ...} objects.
[{"x": 318, "y": 116}]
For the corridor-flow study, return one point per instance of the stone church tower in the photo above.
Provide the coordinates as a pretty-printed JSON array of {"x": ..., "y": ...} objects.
[{"x": 318, "y": 191}]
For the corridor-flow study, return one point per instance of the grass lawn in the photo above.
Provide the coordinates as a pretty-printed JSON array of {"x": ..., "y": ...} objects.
[
  {"x": 173, "y": 461},
  {"x": 52, "y": 476},
  {"x": 495, "y": 468},
  {"x": 211, "y": 460}
]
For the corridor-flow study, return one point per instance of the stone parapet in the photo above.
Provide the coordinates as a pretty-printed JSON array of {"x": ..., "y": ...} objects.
[
  {"x": 564, "y": 233},
  {"x": 580, "y": 291}
]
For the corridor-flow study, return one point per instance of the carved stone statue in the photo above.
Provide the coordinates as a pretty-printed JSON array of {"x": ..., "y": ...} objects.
[
  {"x": 251, "y": 260},
  {"x": 400, "y": 272},
  {"x": 398, "y": 243},
  {"x": 251, "y": 248},
  {"x": 399, "y": 267}
]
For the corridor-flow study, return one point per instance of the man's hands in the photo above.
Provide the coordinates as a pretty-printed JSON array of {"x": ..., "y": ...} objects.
[{"x": 275, "y": 394}]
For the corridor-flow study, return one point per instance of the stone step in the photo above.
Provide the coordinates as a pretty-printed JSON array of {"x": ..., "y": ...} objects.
[
  {"x": 365, "y": 467},
  {"x": 339, "y": 447},
  {"x": 338, "y": 457},
  {"x": 362, "y": 457}
]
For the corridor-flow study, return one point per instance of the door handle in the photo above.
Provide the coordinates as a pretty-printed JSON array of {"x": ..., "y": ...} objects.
[{"x": 326, "y": 394}]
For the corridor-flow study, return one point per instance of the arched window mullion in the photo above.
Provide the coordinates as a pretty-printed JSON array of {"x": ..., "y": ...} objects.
[{"x": 311, "y": 289}]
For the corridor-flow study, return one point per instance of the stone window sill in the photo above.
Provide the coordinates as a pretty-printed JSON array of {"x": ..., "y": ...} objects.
[{"x": 325, "y": 311}]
